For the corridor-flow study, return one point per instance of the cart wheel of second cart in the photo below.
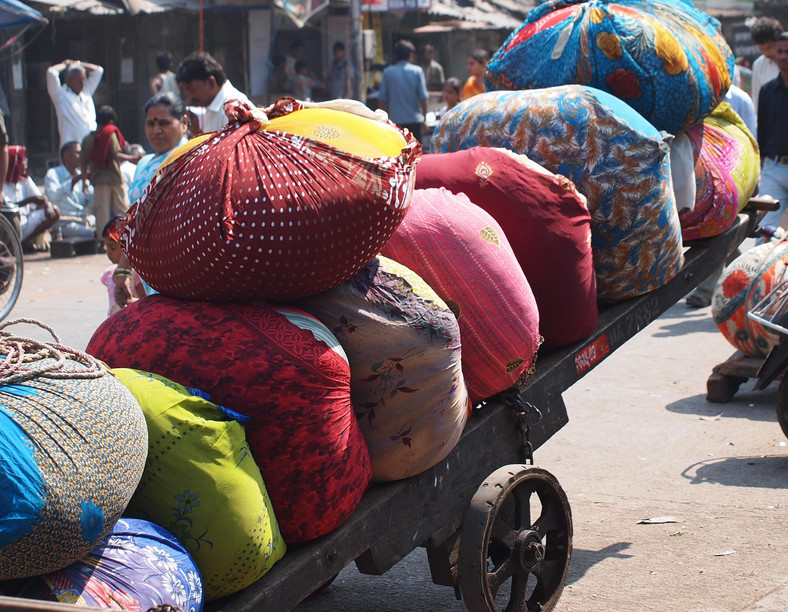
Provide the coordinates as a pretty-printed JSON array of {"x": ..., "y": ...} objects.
[
  {"x": 782, "y": 405},
  {"x": 516, "y": 542}
]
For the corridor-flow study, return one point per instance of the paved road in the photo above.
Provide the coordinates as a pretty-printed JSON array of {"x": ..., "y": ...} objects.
[{"x": 642, "y": 442}]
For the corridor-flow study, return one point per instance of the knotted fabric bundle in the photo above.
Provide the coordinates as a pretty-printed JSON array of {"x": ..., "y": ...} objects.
[
  {"x": 290, "y": 381},
  {"x": 251, "y": 213},
  {"x": 727, "y": 168},
  {"x": 665, "y": 58},
  {"x": 617, "y": 160}
]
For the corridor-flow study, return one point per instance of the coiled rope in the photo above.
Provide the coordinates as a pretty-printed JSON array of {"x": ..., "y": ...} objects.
[{"x": 24, "y": 358}]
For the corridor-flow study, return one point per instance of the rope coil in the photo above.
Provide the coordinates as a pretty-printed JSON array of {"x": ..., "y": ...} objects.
[{"x": 23, "y": 358}]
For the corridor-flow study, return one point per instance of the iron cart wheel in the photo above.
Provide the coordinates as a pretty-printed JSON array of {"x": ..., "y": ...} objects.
[
  {"x": 782, "y": 405},
  {"x": 501, "y": 544},
  {"x": 11, "y": 265}
]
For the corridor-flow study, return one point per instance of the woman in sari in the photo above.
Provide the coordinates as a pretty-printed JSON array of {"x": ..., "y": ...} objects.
[{"x": 166, "y": 123}]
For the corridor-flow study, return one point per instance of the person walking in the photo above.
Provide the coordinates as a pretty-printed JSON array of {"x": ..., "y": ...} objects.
[
  {"x": 773, "y": 135},
  {"x": 433, "y": 71},
  {"x": 205, "y": 84},
  {"x": 764, "y": 33},
  {"x": 73, "y": 99},
  {"x": 341, "y": 75},
  {"x": 403, "y": 90}
]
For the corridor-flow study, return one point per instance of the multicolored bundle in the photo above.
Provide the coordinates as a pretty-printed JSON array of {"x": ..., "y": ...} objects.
[
  {"x": 138, "y": 566},
  {"x": 463, "y": 254},
  {"x": 665, "y": 58},
  {"x": 73, "y": 444},
  {"x": 612, "y": 154},
  {"x": 744, "y": 283},
  {"x": 202, "y": 484},
  {"x": 727, "y": 169},
  {"x": 292, "y": 383},
  {"x": 547, "y": 223}
]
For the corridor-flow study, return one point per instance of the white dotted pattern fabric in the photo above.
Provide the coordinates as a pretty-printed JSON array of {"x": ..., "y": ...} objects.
[{"x": 250, "y": 214}]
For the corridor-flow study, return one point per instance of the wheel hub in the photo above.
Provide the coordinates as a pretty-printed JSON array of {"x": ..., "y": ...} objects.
[{"x": 528, "y": 550}]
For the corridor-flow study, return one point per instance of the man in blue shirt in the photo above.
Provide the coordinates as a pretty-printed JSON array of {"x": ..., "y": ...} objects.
[
  {"x": 773, "y": 135},
  {"x": 403, "y": 90}
]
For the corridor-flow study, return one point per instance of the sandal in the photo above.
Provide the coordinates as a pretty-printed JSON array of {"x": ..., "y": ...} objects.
[{"x": 693, "y": 301}]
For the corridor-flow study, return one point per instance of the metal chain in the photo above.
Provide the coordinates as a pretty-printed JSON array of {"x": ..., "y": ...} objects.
[{"x": 527, "y": 416}]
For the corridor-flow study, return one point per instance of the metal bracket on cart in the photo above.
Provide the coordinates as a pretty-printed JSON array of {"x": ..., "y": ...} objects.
[{"x": 528, "y": 415}]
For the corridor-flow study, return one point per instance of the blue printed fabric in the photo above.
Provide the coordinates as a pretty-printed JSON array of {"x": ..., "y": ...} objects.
[
  {"x": 665, "y": 58},
  {"x": 72, "y": 452},
  {"x": 613, "y": 156},
  {"x": 137, "y": 566}
]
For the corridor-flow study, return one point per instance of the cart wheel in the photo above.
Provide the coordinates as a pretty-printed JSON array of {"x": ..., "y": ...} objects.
[
  {"x": 502, "y": 544},
  {"x": 782, "y": 405}
]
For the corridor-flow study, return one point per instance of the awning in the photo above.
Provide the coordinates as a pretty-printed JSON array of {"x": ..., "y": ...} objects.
[
  {"x": 94, "y": 7},
  {"x": 14, "y": 14},
  {"x": 496, "y": 14}
]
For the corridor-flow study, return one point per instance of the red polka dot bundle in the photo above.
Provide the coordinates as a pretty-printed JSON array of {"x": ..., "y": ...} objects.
[
  {"x": 744, "y": 283},
  {"x": 252, "y": 212}
]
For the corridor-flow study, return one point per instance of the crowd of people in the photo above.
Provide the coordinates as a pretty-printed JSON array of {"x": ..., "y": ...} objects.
[{"x": 100, "y": 174}]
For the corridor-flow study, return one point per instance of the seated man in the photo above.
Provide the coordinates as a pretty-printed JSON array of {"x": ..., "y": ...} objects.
[
  {"x": 63, "y": 187},
  {"x": 37, "y": 214}
]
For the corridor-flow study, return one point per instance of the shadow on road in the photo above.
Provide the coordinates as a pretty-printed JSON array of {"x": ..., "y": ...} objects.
[
  {"x": 584, "y": 560},
  {"x": 753, "y": 405},
  {"x": 701, "y": 322},
  {"x": 770, "y": 472}
]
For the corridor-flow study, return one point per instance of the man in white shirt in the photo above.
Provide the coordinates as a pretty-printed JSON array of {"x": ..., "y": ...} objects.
[
  {"x": 73, "y": 100},
  {"x": 764, "y": 33},
  {"x": 204, "y": 83},
  {"x": 742, "y": 104}
]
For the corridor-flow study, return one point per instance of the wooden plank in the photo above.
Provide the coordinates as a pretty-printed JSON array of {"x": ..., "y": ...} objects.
[
  {"x": 34, "y": 605},
  {"x": 392, "y": 519},
  {"x": 739, "y": 364}
]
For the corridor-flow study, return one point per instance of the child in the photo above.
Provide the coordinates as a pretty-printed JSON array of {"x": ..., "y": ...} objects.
[{"x": 111, "y": 239}]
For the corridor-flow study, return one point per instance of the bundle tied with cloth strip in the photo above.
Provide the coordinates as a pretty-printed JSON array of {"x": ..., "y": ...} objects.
[
  {"x": 280, "y": 204},
  {"x": 73, "y": 444}
]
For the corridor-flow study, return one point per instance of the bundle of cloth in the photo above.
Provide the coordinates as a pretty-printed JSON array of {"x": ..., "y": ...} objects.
[
  {"x": 667, "y": 59},
  {"x": 613, "y": 156}
]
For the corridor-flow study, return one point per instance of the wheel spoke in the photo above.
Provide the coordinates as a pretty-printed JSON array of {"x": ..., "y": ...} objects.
[
  {"x": 519, "y": 597},
  {"x": 550, "y": 519},
  {"x": 498, "y": 576},
  {"x": 502, "y": 532},
  {"x": 522, "y": 504},
  {"x": 541, "y": 593}
]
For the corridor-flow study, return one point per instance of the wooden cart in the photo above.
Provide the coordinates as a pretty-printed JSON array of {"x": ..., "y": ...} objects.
[{"x": 472, "y": 511}]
